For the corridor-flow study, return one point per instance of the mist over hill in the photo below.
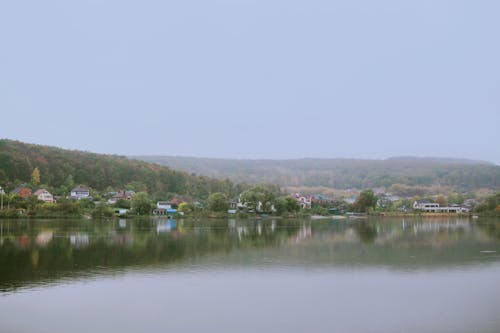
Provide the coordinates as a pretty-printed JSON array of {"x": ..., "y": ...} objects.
[{"x": 459, "y": 174}]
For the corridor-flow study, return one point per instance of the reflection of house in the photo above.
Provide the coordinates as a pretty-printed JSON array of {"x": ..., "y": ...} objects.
[
  {"x": 121, "y": 195},
  {"x": 166, "y": 226},
  {"x": 44, "y": 238},
  {"x": 80, "y": 192},
  {"x": 79, "y": 240},
  {"x": 22, "y": 191},
  {"x": 44, "y": 195}
]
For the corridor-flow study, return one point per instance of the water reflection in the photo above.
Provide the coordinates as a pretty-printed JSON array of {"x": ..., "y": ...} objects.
[{"x": 35, "y": 251}]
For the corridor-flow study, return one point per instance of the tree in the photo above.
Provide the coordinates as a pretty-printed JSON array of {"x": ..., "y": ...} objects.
[
  {"x": 142, "y": 204},
  {"x": 456, "y": 198},
  {"x": 286, "y": 205},
  {"x": 366, "y": 200},
  {"x": 259, "y": 198},
  {"x": 441, "y": 200},
  {"x": 122, "y": 203},
  {"x": 102, "y": 211},
  {"x": 217, "y": 202},
  {"x": 186, "y": 207},
  {"x": 67, "y": 185},
  {"x": 35, "y": 177}
]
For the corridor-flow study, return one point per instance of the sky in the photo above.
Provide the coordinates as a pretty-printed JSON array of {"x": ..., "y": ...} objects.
[{"x": 253, "y": 78}]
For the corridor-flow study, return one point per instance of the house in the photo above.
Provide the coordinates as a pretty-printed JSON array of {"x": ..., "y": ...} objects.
[
  {"x": 22, "y": 191},
  {"x": 164, "y": 208},
  {"x": 432, "y": 207},
  {"x": 44, "y": 195},
  {"x": 175, "y": 202},
  {"x": 121, "y": 211},
  {"x": 164, "y": 205},
  {"x": 304, "y": 203},
  {"x": 80, "y": 192},
  {"x": 426, "y": 206},
  {"x": 121, "y": 195},
  {"x": 350, "y": 200},
  {"x": 321, "y": 199}
]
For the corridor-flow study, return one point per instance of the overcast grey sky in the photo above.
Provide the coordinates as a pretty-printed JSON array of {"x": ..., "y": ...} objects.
[{"x": 253, "y": 78}]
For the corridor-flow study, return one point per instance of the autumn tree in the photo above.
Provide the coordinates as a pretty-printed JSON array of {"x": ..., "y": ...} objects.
[
  {"x": 35, "y": 177},
  {"x": 441, "y": 200}
]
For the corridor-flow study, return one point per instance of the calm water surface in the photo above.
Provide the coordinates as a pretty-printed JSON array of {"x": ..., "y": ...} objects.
[{"x": 158, "y": 275}]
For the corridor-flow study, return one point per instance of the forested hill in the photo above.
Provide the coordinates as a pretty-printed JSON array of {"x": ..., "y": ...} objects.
[
  {"x": 60, "y": 169},
  {"x": 344, "y": 173}
]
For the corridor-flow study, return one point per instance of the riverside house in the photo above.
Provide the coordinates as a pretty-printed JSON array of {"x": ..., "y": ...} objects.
[
  {"x": 434, "y": 207},
  {"x": 44, "y": 195},
  {"x": 22, "y": 191},
  {"x": 80, "y": 192},
  {"x": 124, "y": 195}
]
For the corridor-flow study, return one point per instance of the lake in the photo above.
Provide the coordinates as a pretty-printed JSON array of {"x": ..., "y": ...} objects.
[{"x": 269, "y": 275}]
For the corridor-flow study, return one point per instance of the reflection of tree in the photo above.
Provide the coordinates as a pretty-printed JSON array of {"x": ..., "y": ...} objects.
[
  {"x": 491, "y": 226},
  {"x": 31, "y": 251},
  {"x": 366, "y": 232},
  {"x": 28, "y": 254}
]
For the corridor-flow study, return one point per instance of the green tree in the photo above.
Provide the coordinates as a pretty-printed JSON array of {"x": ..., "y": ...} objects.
[
  {"x": 136, "y": 186},
  {"x": 122, "y": 203},
  {"x": 102, "y": 211},
  {"x": 35, "y": 177},
  {"x": 259, "y": 198},
  {"x": 217, "y": 202},
  {"x": 366, "y": 200},
  {"x": 456, "y": 198},
  {"x": 142, "y": 204},
  {"x": 286, "y": 204},
  {"x": 67, "y": 185}
]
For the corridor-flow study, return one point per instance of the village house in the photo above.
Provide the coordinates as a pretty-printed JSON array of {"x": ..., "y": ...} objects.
[
  {"x": 304, "y": 203},
  {"x": 123, "y": 195},
  {"x": 80, "y": 192},
  {"x": 164, "y": 208},
  {"x": 433, "y": 207},
  {"x": 22, "y": 191},
  {"x": 44, "y": 195},
  {"x": 425, "y": 205}
]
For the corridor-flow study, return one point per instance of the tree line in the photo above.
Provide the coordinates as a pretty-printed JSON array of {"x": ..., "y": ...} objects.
[
  {"x": 415, "y": 173},
  {"x": 59, "y": 170}
]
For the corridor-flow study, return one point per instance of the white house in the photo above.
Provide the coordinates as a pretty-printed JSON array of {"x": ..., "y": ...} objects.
[
  {"x": 164, "y": 205},
  {"x": 432, "y": 207},
  {"x": 80, "y": 192},
  {"x": 425, "y": 205},
  {"x": 44, "y": 195},
  {"x": 304, "y": 203}
]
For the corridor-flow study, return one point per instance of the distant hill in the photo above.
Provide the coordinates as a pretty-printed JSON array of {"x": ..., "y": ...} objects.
[
  {"x": 60, "y": 169},
  {"x": 459, "y": 174}
]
